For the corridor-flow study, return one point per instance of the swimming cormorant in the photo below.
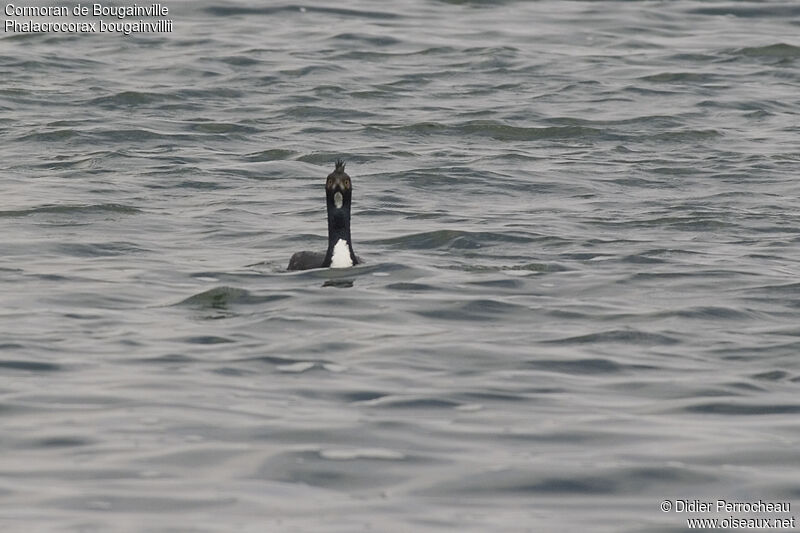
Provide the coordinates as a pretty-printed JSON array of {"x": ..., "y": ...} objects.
[{"x": 340, "y": 254}]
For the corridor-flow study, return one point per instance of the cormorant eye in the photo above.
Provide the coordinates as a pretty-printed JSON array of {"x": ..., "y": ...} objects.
[
  {"x": 347, "y": 183},
  {"x": 330, "y": 182}
]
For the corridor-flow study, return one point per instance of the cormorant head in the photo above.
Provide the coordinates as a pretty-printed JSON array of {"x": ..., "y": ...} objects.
[{"x": 339, "y": 189}]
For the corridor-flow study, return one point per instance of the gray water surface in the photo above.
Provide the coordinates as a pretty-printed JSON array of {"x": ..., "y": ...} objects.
[{"x": 580, "y": 222}]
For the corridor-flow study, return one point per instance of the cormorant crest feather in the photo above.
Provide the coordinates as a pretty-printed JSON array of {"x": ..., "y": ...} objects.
[{"x": 339, "y": 165}]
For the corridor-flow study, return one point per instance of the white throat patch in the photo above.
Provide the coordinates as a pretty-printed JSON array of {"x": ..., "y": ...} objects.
[
  {"x": 341, "y": 254},
  {"x": 338, "y": 200}
]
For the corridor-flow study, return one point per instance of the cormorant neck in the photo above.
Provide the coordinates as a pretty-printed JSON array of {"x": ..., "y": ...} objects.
[
  {"x": 338, "y": 229},
  {"x": 338, "y": 222}
]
